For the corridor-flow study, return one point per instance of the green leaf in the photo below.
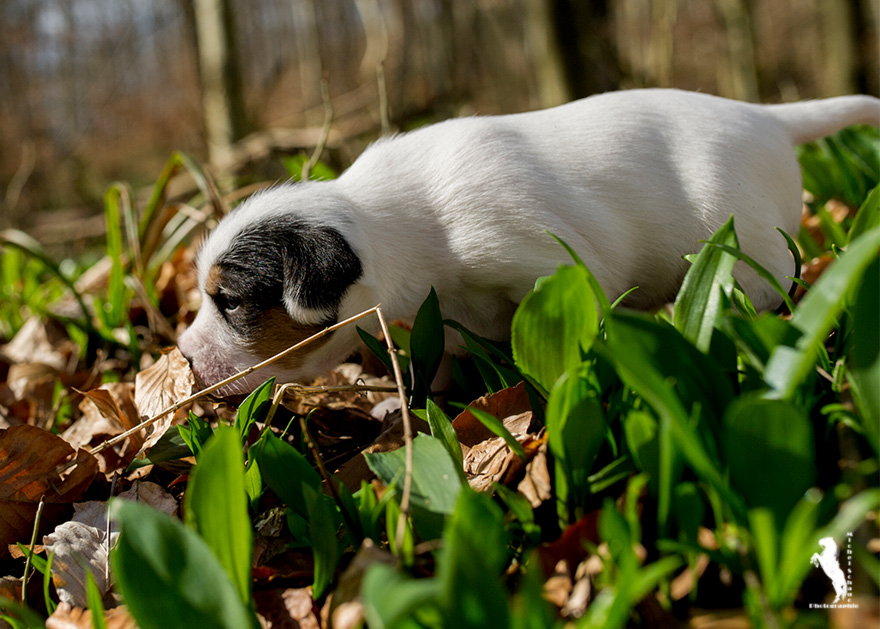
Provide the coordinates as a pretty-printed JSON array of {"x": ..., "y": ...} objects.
[
  {"x": 168, "y": 575},
  {"x": 254, "y": 408},
  {"x": 322, "y": 531},
  {"x": 817, "y": 314},
  {"x": 216, "y": 507},
  {"x": 599, "y": 292},
  {"x": 95, "y": 602},
  {"x": 441, "y": 428},
  {"x": 435, "y": 482},
  {"x": 863, "y": 368},
  {"x": 669, "y": 374},
  {"x": 768, "y": 446},
  {"x": 286, "y": 472},
  {"x": 575, "y": 425},
  {"x": 868, "y": 216},
  {"x": 472, "y": 589},
  {"x": 427, "y": 344},
  {"x": 698, "y": 304},
  {"x": 757, "y": 268},
  {"x": 195, "y": 433},
  {"x": 555, "y": 325},
  {"x": 389, "y": 597}
]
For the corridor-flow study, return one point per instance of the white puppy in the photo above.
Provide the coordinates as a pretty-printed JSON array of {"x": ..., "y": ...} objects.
[{"x": 631, "y": 180}]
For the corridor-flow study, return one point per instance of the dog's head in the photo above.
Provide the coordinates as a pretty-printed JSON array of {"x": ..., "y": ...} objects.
[{"x": 273, "y": 273}]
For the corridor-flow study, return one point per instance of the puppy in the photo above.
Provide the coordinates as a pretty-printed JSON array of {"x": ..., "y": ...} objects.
[{"x": 631, "y": 180}]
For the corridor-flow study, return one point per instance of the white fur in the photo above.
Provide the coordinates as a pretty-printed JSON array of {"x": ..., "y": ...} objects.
[{"x": 631, "y": 180}]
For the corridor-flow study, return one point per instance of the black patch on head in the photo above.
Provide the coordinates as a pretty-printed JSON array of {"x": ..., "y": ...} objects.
[{"x": 285, "y": 256}]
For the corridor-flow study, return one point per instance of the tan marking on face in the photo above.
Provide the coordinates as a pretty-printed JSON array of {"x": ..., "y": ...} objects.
[
  {"x": 276, "y": 331},
  {"x": 214, "y": 280}
]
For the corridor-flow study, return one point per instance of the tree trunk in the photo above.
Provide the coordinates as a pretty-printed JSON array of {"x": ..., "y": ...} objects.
[
  {"x": 222, "y": 95},
  {"x": 739, "y": 76},
  {"x": 839, "y": 53}
]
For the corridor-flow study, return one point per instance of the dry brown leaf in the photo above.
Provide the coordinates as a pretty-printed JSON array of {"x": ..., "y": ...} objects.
[
  {"x": 29, "y": 462},
  {"x": 38, "y": 341},
  {"x": 487, "y": 459},
  {"x": 151, "y": 494},
  {"x": 536, "y": 485},
  {"x": 504, "y": 404},
  {"x": 82, "y": 544},
  {"x": 68, "y": 617},
  {"x": 106, "y": 412},
  {"x": 166, "y": 383}
]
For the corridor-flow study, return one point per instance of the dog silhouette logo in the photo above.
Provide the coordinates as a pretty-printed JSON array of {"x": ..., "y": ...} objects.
[{"x": 828, "y": 561}]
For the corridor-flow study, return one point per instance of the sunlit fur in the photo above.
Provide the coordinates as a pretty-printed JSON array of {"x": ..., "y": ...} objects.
[{"x": 631, "y": 180}]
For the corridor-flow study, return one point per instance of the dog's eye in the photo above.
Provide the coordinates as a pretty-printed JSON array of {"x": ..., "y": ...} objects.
[{"x": 227, "y": 303}]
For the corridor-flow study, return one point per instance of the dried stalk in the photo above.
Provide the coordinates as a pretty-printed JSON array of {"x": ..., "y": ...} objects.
[
  {"x": 177, "y": 406},
  {"x": 407, "y": 430}
]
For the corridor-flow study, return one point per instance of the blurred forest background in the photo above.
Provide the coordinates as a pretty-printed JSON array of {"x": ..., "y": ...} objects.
[{"x": 92, "y": 91}]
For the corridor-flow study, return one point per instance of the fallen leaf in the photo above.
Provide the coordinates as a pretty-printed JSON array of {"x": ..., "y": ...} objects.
[
  {"x": 507, "y": 403},
  {"x": 159, "y": 387},
  {"x": 83, "y": 543},
  {"x": 487, "y": 458},
  {"x": 69, "y": 617},
  {"x": 535, "y": 484},
  {"x": 106, "y": 412},
  {"x": 30, "y": 460},
  {"x": 38, "y": 341}
]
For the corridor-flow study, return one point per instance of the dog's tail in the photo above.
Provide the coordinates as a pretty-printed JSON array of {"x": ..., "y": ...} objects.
[{"x": 810, "y": 120}]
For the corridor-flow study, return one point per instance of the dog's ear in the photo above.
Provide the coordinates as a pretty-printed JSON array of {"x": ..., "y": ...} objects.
[{"x": 319, "y": 266}]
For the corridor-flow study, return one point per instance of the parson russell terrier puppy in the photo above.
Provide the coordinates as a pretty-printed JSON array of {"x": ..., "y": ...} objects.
[{"x": 632, "y": 180}]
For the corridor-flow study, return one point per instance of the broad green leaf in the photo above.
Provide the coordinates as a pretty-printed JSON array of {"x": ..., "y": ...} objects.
[
  {"x": 195, "y": 433},
  {"x": 322, "y": 531},
  {"x": 472, "y": 562},
  {"x": 441, "y": 428},
  {"x": 667, "y": 372},
  {"x": 817, "y": 314},
  {"x": 427, "y": 344},
  {"x": 768, "y": 446},
  {"x": 555, "y": 325},
  {"x": 762, "y": 525},
  {"x": 169, "y": 576},
  {"x": 216, "y": 507},
  {"x": 286, "y": 472},
  {"x": 689, "y": 509},
  {"x": 868, "y": 216},
  {"x": 435, "y": 482},
  {"x": 389, "y": 597},
  {"x": 699, "y": 303},
  {"x": 757, "y": 268},
  {"x": 254, "y": 408},
  {"x": 863, "y": 367},
  {"x": 599, "y": 292},
  {"x": 575, "y": 425}
]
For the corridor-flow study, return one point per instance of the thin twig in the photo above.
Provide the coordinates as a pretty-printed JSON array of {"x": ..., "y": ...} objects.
[
  {"x": 341, "y": 388},
  {"x": 27, "y": 561},
  {"x": 177, "y": 406},
  {"x": 407, "y": 431},
  {"x": 325, "y": 130}
]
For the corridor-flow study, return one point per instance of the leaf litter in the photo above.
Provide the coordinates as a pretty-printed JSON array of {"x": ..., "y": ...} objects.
[{"x": 45, "y": 456}]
